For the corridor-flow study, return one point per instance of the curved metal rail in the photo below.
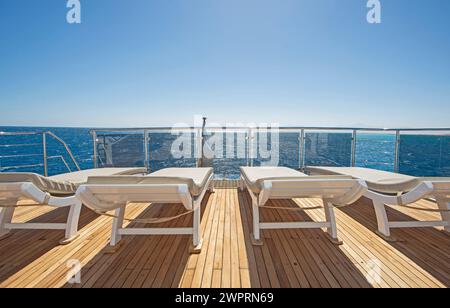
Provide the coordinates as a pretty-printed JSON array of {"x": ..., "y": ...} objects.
[{"x": 44, "y": 153}]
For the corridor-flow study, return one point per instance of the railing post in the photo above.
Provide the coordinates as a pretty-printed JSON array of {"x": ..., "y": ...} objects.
[
  {"x": 146, "y": 151},
  {"x": 64, "y": 144},
  {"x": 354, "y": 136},
  {"x": 397, "y": 152},
  {"x": 250, "y": 147},
  {"x": 301, "y": 159},
  {"x": 94, "y": 142},
  {"x": 44, "y": 151},
  {"x": 199, "y": 142}
]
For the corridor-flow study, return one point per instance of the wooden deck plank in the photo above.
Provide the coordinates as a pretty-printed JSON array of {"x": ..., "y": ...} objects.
[
  {"x": 236, "y": 280},
  {"x": 288, "y": 258},
  {"x": 205, "y": 265}
]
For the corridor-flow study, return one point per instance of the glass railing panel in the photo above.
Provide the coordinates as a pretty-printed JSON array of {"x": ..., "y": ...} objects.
[
  {"x": 332, "y": 149},
  {"x": 425, "y": 153},
  {"x": 226, "y": 152},
  {"x": 79, "y": 142},
  {"x": 290, "y": 150},
  {"x": 21, "y": 153},
  {"x": 277, "y": 150},
  {"x": 167, "y": 149},
  {"x": 375, "y": 150},
  {"x": 421, "y": 154},
  {"x": 121, "y": 149}
]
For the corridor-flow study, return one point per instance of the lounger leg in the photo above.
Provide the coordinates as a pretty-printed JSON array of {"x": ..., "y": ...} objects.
[
  {"x": 211, "y": 187},
  {"x": 256, "y": 230},
  {"x": 72, "y": 223},
  {"x": 6, "y": 216},
  {"x": 117, "y": 225},
  {"x": 331, "y": 219},
  {"x": 241, "y": 184},
  {"x": 383, "y": 223},
  {"x": 197, "y": 238},
  {"x": 445, "y": 206}
]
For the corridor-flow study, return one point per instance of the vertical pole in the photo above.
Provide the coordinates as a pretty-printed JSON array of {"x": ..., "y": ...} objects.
[
  {"x": 355, "y": 134},
  {"x": 397, "y": 152},
  {"x": 250, "y": 147},
  {"x": 202, "y": 143},
  {"x": 146, "y": 152},
  {"x": 94, "y": 142},
  {"x": 304, "y": 150},
  {"x": 301, "y": 160},
  {"x": 199, "y": 146},
  {"x": 44, "y": 151}
]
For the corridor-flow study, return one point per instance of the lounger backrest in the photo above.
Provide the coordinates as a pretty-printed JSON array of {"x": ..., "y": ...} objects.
[
  {"x": 43, "y": 183},
  {"x": 258, "y": 185},
  {"x": 376, "y": 180},
  {"x": 312, "y": 187},
  {"x": 138, "y": 180},
  {"x": 107, "y": 197}
]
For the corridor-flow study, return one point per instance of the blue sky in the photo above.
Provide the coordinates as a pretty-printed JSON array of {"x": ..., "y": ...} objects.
[{"x": 159, "y": 62}]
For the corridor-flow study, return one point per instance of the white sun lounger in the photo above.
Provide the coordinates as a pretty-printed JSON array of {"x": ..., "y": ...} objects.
[
  {"x": 387, "y": 188},
  {"x": 264, "y": 183},
  {"x": 173, "y": 185},
  {"x": 56, "y": 191}
]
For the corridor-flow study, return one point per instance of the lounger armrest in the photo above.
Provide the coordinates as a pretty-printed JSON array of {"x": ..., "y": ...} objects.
[
  {"x": 14, "y": 192},
  {"x": 421, "y": 191},
  {"x": 85, "y": 195},
  {"x": 353, "y": 195}
]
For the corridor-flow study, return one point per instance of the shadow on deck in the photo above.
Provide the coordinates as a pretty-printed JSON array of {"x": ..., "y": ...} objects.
[{"x": 288, "y": 258}]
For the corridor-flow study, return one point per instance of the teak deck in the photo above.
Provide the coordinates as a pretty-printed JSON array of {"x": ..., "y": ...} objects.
[{"x": 289, "y": 258}]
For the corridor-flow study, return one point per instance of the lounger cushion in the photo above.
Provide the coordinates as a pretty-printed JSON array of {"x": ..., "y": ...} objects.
[
  {"x": 195, "y": 178},
  {"x": 199, "y": 177},
  {"x": 255, "y": 176},
  {"x": 381, "y": 181},
  {"x": 65, "y": 184},
  {"x": 81, "y": 177}
]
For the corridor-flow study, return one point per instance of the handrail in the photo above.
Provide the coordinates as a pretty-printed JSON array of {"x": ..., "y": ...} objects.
[
  {"x": 63, "y": 160},
  {"x": 20, "y": 167},
  {"x": 44, "y": 149},
  {"x": 19, "y": 133},
  {"x": 19, "y": 155},
  {"x": 363, "y": 129},
  {"x": 18, "y": 145},
  {"x": 249, "y": 130},
  {"x": 67, "y": 149}
]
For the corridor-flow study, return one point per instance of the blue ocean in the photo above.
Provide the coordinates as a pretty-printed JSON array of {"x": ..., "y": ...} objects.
[{"x": 419, "y": 155}]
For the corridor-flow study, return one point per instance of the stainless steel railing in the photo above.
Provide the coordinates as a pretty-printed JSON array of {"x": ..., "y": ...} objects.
[
  {"x": 302, "y": 131},
  {"x": 45, "y": 157},
  {"x": 302, "y": 143}
]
